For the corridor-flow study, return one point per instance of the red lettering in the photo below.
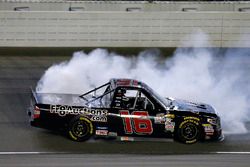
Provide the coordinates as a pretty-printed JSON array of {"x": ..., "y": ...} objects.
[
  {"x": 126, "y": 121},
  {"x": 138, "y": 122}
]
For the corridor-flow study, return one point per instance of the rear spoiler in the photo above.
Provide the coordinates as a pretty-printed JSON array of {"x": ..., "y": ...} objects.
[{"x": 34, "y": 94}]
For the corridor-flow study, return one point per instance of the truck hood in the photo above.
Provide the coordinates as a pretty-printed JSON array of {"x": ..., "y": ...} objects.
[{"x": 184, "y": 105}]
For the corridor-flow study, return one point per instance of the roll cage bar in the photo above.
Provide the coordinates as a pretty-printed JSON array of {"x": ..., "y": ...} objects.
[
  {"x": 100, "y": 97},
  {"x": 94, "y": 90}
]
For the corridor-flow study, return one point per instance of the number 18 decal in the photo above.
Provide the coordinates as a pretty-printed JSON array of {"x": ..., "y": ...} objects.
[{"x": 138, "y": 122}]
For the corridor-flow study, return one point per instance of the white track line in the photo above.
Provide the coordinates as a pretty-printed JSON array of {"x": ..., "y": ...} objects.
[
  {"x": 232, "y": 152},
  {"x": 29, "y": 153},
  {"x": 39, "y": 153}
]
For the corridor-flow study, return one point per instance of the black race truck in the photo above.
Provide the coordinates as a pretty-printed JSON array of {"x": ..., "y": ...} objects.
[{"x": 124, "y": 109}]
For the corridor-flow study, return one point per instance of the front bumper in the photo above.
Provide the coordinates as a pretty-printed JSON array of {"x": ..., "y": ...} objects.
[
  {"x": 219, "y": 136},
  {"x": 216, "y": 136}
]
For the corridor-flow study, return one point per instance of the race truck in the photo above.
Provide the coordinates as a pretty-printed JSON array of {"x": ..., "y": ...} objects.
[{"x": 124, "y": 109}]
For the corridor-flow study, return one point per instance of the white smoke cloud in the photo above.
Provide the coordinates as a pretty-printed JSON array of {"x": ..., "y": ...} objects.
[{"x": 200, "y": 74}]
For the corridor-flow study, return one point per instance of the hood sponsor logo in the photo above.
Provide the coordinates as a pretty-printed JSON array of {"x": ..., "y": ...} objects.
[{"x": 62, "y": 110}]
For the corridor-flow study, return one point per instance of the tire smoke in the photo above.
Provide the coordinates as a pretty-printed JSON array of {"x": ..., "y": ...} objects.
[{"x": 214, "y": 76}]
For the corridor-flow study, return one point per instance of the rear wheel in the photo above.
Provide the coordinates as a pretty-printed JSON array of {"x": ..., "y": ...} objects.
[
  {"x": 80, "y": 129},
  {"x": 188, "y": 131}
]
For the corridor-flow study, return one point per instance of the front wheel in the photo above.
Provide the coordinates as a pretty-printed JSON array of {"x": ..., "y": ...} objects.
[
  {"x": 80, "y": 129},
  {"x": 188, "y": 131}
]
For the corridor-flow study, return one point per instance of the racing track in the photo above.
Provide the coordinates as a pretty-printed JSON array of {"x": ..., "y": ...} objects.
[{"x": 22, "y": 145}]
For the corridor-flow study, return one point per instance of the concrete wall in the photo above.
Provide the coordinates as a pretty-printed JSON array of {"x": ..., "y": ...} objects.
[
  {"x": 83, "y": 5},
  {"x": 122, "y": 29}
]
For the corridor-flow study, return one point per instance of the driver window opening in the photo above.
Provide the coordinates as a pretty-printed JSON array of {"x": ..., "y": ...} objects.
[{"x": 136, "y": 100}]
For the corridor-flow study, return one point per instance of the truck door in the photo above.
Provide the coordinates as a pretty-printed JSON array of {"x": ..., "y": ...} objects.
[{"x": 133, "y": 114}]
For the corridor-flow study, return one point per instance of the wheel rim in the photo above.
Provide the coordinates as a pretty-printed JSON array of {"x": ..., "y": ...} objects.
[
  {"x": 80, "y": 129},
  {"x": 189, "y": 131}
]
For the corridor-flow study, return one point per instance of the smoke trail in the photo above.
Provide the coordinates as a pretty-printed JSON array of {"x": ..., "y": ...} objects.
[{"x": 206, "y": 75}]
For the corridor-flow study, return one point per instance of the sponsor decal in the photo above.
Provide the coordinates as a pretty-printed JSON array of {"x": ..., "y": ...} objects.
[
  {"x": 193, "y": 118},
  {"x": 159, "y": 118},
  {"x": 101, "y": 132},
  {"x": 169, "y": 125},
  {"x": 208, "y": 129},
  {"x": 126, "y": 82},
  {"x": 126, "y": 138},
  {"x": 63, "y": 110},
  {"x": 172, "y": 116},
  {"x": 189, "y": 120},
  {"x": 118, "y": 105},
  {"x": 112, "y": 134},
  {"x": 102, "y": 127},
  {"x": 98, "y": 118}
]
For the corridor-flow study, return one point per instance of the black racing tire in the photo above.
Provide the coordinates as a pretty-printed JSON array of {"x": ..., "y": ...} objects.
[
  {"x": 188, "y": 131},
  {"x": 80, "y": 129}
]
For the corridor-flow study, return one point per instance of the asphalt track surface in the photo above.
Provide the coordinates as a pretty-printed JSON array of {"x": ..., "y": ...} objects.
[{"x": 23, "y": 145}]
